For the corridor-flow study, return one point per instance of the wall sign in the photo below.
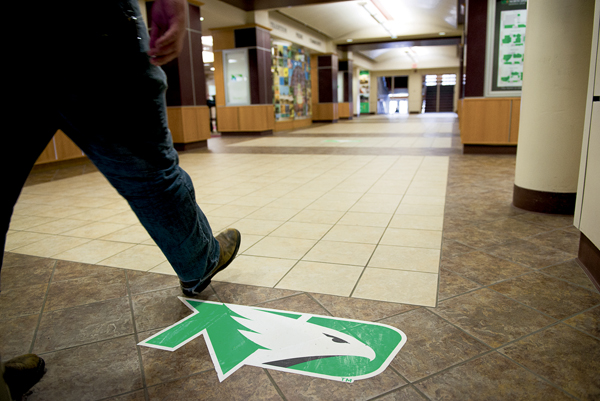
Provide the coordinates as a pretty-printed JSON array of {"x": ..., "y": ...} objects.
[
  {"x": 318, "y": 346},
  {"x": 507, "y": 22}
]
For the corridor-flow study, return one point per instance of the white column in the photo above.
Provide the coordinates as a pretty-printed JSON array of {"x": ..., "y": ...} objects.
[{"x": 555, "y": 75}]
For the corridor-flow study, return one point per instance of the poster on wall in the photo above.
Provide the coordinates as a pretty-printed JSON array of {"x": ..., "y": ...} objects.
[
  {"x": 364, "y": 82},
  {"x": 510, "y": 22},
  {"x": 291, "y": 81}
]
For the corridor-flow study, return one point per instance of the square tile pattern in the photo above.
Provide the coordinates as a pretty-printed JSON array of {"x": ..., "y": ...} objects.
[
  {"x": 507, "y": 313},
  {"x": 328, "y": 209}
]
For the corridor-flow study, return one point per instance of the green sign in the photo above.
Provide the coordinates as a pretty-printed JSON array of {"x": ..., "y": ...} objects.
[{"x": 319, "y": 346}]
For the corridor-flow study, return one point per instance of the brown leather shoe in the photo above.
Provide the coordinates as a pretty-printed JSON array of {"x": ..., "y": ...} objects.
[
  {"x": 22, "y": 373},
  {"x": 229, "y": 244}
]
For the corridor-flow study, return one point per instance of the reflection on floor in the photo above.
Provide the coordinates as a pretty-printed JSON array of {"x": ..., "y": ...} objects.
[{"x": 516, "y": 317}]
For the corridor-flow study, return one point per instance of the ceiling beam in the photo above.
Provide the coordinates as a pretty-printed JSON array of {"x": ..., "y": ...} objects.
[
  {"x": 394, "y": 44},
  {"x": 253, "y": 5}
]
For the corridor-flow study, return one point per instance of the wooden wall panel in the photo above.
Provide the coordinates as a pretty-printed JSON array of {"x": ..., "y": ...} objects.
[
  {"x": 486, "y": 121},
  {"x": 256, "y": 118},
  {"x": 344, "y": 110},
  {"x": 223, "y": 39},
  {"x": 514, "y": 121},
  {"x": 219, "y": 79},
  {"x": 65, "y": 148},
  {"x": 48, "y": 154},
  {"x": 227, "y": 119},
  {"x": 292, "y": 124}
]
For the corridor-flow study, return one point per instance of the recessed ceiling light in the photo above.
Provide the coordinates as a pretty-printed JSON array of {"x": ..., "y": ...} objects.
[
  {"x": 201, "y": 18},
  {"x": 212, "y": 68},
  {"x": 442, "y": 33},
  {"x": 349, "y": 40}
]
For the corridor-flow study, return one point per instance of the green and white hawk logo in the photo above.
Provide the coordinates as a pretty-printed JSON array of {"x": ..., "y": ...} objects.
[{"x": 318, "y": 346}]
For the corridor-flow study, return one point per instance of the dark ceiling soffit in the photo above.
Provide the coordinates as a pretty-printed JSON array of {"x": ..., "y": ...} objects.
[
  {"x": 253, "y": 5},
  {"x": 449, "y": 41}
]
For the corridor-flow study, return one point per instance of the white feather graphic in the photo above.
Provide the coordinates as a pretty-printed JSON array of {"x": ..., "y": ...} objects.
[{"x": 290, "y": 341}]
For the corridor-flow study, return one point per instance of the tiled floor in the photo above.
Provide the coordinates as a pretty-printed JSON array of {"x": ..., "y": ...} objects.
[{"x": 516, "y": 318}]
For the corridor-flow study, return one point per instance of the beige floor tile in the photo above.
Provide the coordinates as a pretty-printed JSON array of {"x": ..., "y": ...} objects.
[
  {"x": 421, "y": 210},
  {"x": 218, "y": 224},
  {"x": 18, "y": 239},
  {"x": 257, "y": 227},
  {"x": 406, "y": 287},
  {"x": 358, "y": 234},
  {"x": 402, "y": 258},
  {"x": 323, "y": 278},
  {"x": 163, "y": 268},
  {"x": 381, "y": 198},
  {"x": 93, "y": 251},
  {"x": 138, "y": 257},
  {"x": 124, "y": 217},
  {"x": 51, "y": 246},
  {"x": 20, "y": 223},
  {"x": 291, "y": 203},
  {"x": 279, "y": 247},
  {"x": 237, "y": 211},
  {"x": 96, "y": 214},
  {"x": 301, "y": 230},
  {"x": 62, "y": 212},
  {"x": 120, "y": 204},
  {"x": 258, "y": 201},
  {"x": 412, "y": 238},
  {"x": 318, "y": 216},
  {"x": 340, "y": 252},
  {"x": 366, "y": 219},
  {"x": 275, "y": 214},
  {"x": 95, "y": 230},
  {"x": 423, "y": 200},
  {"x": 59, "y": 226},
  {"x": 253, "y": 270},
  {"x": 374, "y": 207},
  {"x": 417, "y": 222},
  {"x": 332, "y": 205},
  {"x": 136, "y": 234},
  {"x": 424, "y": 191},
  {"x": 249, "y": 240}
]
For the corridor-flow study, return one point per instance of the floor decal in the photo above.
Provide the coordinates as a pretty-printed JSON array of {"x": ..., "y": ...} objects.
[{"x": 319, "y": 346}]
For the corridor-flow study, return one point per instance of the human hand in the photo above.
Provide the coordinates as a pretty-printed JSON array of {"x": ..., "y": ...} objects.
[{"x": 167, "y": 30}]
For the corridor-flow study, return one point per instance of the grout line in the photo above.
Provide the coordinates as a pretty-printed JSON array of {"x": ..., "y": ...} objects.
[
  {"x": 37, "y": 326},
  {"x": 274, "y": 384},
  {"x": 137, "y": 339}
]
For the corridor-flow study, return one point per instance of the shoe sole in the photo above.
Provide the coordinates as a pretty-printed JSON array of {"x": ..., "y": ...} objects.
[{"x": 205, "y": 284}]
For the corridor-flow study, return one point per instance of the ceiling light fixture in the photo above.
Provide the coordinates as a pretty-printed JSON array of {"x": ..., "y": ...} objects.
[{"x": 376, "y": 10}]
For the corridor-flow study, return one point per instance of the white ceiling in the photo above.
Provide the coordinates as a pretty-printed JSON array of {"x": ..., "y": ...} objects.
[{"x": 349, "y": 22}]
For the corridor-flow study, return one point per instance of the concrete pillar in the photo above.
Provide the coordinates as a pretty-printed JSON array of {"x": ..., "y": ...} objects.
[{"x": 553, "y": 102}]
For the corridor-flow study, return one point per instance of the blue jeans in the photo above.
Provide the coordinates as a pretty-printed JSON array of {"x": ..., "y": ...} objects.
[{"x": 99, "y": 88}]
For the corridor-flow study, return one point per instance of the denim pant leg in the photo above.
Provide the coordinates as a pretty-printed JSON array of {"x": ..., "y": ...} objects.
[{"x": 112, "y": 105}]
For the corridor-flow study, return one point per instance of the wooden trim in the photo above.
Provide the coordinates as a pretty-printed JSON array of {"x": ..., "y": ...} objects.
[
  {"x": 544, "y": 202},
  {"x": 489, "y": 149},
  {"x": 589, "y": 259}
]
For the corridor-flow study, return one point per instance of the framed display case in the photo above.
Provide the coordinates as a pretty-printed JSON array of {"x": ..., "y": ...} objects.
[{"x": 237, "y": 77}]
